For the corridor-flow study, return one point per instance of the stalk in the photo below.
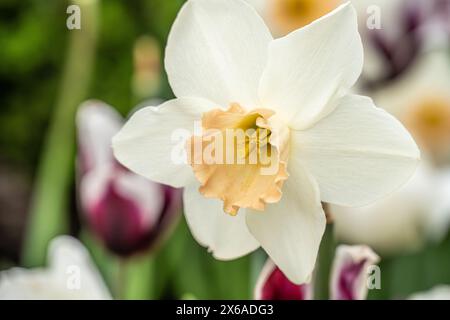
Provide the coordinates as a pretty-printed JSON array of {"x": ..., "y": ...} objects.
[{"x": 48, "y": 214}]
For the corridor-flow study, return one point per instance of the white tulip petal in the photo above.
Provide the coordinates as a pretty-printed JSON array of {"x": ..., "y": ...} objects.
[
  {"x": 358, "y": 153},
  {"x": 217, "y": 49},
  {"x": 311, "y": 65},
  {"x": 152, "y": 142},
  {"x": 97, "y": 123},
  {"x": 226, "y": 236},
  {"x": 291, "y": 230}
]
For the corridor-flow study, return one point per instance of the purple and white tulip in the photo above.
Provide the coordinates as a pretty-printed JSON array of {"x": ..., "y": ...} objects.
[
  {"x": 349, "y": 277},
  {"x": 272, "y": 284},
  {"x": 129, "y": 213},
  {"x": 350, "y": 272}
]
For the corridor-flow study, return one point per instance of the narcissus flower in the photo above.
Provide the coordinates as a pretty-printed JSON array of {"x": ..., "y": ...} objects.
[
  {"x": 291, "y": 98},
  {"x": 70, "y": 275},
  {"x": 126, "y": 211},
  {"x": 349, "y": 277}
]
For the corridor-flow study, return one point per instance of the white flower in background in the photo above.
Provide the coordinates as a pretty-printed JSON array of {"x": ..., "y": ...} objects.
[
  {"x": 228, "y": 71},
  {"x": 349, "y": 278},
  {"x": 440, "y": 292},
  {"x": 404, "y": 220},
  {"x": 421, "y": 100},
  {"x": 70, "y": 274}
]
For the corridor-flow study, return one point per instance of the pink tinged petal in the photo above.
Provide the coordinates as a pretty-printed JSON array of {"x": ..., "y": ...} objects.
[
  {"x": 290, "y": 231},
  {"x": 358, "y": 153},
  {"x": 217, "y": 49},
  {"x": 350, "y": 272},
  {"x": 96, "y": 125},
  {"x": 309, "y": 67},
  {"x": 272, "y": 284}
]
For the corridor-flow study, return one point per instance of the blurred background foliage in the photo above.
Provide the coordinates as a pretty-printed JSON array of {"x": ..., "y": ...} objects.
[{"x": 34, "y": 46}]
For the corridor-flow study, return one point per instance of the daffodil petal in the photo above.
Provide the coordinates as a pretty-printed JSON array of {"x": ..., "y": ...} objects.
[
  {"x": 226, "y": 237},
  {"x": 152, "y": 142},
  {"x": 310, "y": 66},
  {"x": 358, "y": 153},
  {"x": 290, "y": 230},
  {"x": 217, "y": 49}
]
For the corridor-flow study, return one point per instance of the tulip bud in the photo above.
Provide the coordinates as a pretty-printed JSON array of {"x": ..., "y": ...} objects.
[
  {"x": 126, "y": 211},
  {"x": 350, "y": 272},
  {"x": 348, "y": 278},
  {"x": 272, "y": 284}
]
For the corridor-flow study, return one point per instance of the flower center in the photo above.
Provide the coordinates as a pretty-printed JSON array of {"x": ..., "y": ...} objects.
[
  {"x": 240, "y": 157},
  {"x": 429, "y": 121},
  {"x": 289, "y": 15}
]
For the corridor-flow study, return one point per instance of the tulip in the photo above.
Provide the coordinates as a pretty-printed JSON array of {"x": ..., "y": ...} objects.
[
  {"x": 349, "y": 277},
  {"x": 350, "y": 271},
  {"x": 272, "y": 284},
  {"x": 127, "y": 212}
]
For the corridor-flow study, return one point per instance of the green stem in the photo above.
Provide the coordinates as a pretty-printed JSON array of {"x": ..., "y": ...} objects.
[
  {"x": 48, "y": 211},
  {"x": 140, "y": 280},
  {"x": 323, "y": 265}
]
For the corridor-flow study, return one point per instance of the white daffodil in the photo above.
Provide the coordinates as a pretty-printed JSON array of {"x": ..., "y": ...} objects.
[
  {"x": 421, "y": 100},
  {"x": 291, "y": 94},
  {"x": 70, "y": 275}
]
